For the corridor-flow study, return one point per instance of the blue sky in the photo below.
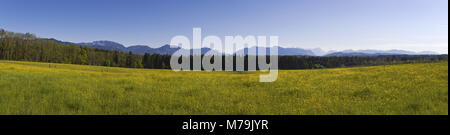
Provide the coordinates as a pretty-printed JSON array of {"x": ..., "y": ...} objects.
[{"x": 416, "y": 25}]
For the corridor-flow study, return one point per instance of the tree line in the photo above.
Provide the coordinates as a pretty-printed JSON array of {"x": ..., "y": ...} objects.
[
  {"x": 315, "y": 62},
  {"x": 28, "y": 47}
]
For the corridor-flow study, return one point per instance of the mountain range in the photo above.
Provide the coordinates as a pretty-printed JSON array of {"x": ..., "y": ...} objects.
[
  {"x": 378, "y": 52},
  {"x": 167, "y": 49}
]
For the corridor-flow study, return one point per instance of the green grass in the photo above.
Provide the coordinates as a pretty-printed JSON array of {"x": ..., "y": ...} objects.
[{"x": 43, "y": 88}]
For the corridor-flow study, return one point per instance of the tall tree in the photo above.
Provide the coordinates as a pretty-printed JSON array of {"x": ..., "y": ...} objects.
[{"x": 82, "y": 56}]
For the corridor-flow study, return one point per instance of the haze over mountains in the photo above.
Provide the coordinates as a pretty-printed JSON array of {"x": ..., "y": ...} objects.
[
  {"x": 378, "y": 52},
  {"x": 166, "y": 49}
]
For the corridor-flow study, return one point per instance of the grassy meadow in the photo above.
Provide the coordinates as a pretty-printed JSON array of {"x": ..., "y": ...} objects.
[{"x": 43, "y": 88}]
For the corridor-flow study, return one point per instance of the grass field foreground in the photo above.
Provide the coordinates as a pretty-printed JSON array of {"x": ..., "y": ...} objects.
[{"x": 44, "y": 88}]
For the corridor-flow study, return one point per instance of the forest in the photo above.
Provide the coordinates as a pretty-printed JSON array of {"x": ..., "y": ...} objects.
[{"x": 28, "y": 47}]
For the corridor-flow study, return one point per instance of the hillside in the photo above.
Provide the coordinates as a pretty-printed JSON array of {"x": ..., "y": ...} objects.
[{"x": 43, "y": 88}]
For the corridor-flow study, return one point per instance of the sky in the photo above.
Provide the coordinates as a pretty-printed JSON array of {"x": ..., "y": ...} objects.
[{"x": 414, "y": 25}]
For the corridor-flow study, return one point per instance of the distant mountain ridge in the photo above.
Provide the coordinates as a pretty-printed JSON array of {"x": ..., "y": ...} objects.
[
  {"x": 281, "y": 51},
  {"x": 167, "y": 49},
  {"x": 378, "y": 52},
  {"x": 105, "y": 45},
  {"x": 137, "y": 49}
]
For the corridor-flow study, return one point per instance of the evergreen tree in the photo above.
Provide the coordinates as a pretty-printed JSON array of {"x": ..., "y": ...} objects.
[
  {"x": 146, "y": 61},
  {"x": 82, "y": 56}
]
